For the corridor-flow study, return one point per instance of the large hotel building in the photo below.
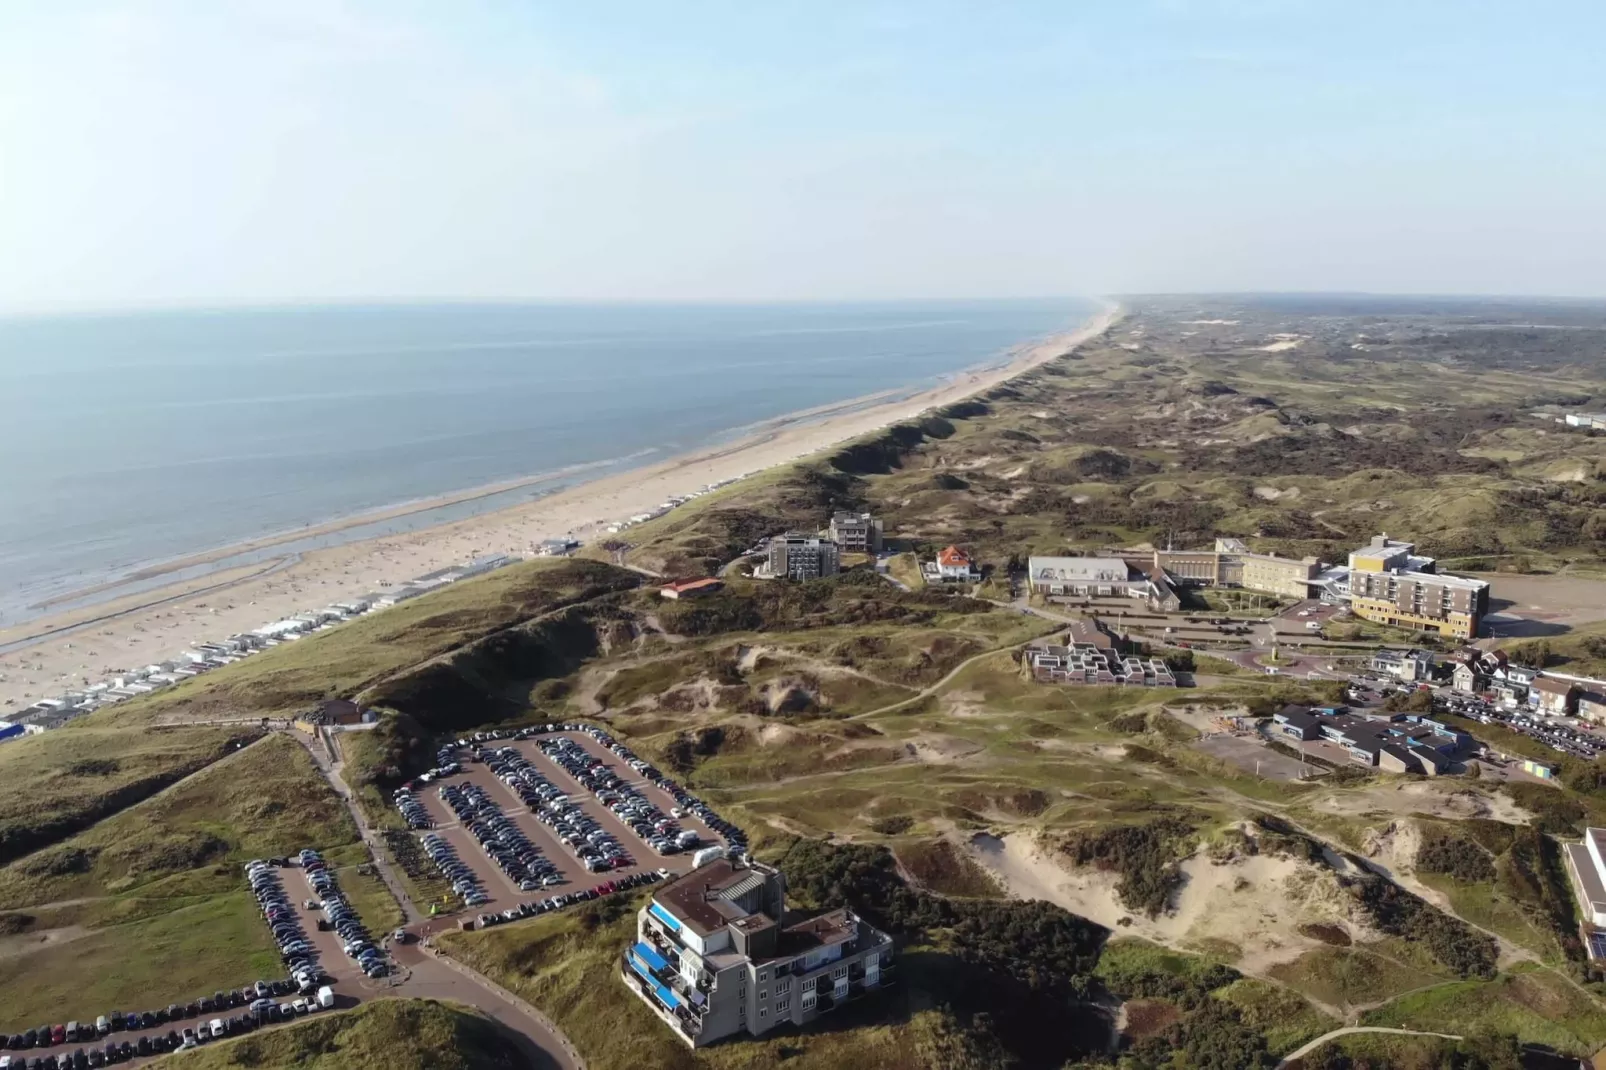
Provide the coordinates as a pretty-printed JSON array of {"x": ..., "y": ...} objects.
[
  {"x": 1390, "y": 584},
  {"x": 716, "y": 956}
]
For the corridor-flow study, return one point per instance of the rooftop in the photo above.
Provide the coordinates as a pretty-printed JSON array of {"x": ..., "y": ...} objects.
[
  {"x": 702, "y": 898},
  {"x": 1551, "y": 686},
  {"x": 952, "y": 557},
  {"x": 1079, "y": 569}
]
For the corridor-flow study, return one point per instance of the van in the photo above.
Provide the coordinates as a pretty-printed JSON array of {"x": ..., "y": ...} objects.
[
  {"x": 103, "y": 1025},
  {"x": 326, "y": 997}
]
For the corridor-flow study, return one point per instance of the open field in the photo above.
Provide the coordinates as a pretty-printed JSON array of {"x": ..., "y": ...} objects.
[
  {"x": 149, "y": 905},
  {"x": 61, "y": 782}
]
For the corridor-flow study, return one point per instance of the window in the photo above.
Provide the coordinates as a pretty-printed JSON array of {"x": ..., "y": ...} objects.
[
  {"x": 763, "y": 1012},
  {"x": 808, "y": 984},
  {"x": 782, "y": 1007},
  {"x": 764, "y": 975},
  {"x": 840, "y": 971},
  {"x": 763, "y": 993},
  {"x": 782, "y": 987}
]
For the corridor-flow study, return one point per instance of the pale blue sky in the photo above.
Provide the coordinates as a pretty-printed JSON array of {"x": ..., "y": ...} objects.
[{"x": 159, "y": 152}]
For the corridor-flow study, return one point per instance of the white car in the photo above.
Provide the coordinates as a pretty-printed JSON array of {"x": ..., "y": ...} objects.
[{"x": 215, "y": 1027}]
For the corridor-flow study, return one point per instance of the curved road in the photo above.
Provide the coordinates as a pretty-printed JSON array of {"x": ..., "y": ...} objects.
[
  {"x": 433, "y": 976},
  {"x": 1349, "y": 1030}
]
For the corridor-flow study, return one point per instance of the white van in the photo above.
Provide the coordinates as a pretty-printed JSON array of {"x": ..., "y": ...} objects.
[{"x": 326, "y": 997}]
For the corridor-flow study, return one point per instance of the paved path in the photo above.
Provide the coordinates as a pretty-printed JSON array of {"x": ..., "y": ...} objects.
[
  {"x": 433, "y": 976},
  {"x": 1352, "y": 1029}
]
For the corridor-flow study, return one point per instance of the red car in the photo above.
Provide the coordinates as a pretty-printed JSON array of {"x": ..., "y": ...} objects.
[{"x": 58, "y": 1034}]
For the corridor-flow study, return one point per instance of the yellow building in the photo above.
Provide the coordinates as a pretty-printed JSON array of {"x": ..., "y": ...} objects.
[{"x": 1391, "y": 584}]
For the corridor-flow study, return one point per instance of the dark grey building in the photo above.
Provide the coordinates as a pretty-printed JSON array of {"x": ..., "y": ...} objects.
[{"x": 798, "y": 556}]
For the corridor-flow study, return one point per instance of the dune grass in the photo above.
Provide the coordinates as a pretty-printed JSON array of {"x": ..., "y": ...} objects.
[
  {"x": 265, "y": 799},
  {"x": 386, "y": 1034},
  {"x": 61, "y": 782},
  {"x": 344, "y": 660}
]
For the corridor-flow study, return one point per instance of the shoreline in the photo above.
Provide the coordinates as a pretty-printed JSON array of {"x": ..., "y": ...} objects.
[{"x": 54, "y": 652}]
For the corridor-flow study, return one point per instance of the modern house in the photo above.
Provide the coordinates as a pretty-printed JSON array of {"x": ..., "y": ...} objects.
[
  {"x": 800, "y": 556},
  {"x": 1389, "y": 583},
  {"x": 951, "y": 565},
  {"x": 856, "y": 533},
  {"x": 1091, "y": 655},
  {"x": 716, "y": 955}
]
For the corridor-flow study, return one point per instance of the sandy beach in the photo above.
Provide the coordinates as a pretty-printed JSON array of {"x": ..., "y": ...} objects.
[{"x": 70, "y": 649}]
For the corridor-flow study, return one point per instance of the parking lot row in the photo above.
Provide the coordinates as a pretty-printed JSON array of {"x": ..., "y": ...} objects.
[{"x": 511, "y": 815}]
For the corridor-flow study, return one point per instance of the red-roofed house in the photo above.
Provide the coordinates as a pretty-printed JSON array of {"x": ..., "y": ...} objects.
[
  {"x": 691, "y": 588},
  {"x": 953, "y": 565}
]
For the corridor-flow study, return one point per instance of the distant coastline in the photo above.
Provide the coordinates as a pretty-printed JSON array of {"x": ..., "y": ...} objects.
[{"x": 214, "y": 593}]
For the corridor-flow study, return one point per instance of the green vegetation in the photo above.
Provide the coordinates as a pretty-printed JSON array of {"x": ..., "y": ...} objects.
[
  {"x": 387, "y": 1034},
  {"x": 345, "y": 661},
  {"x": 149, "y": 905},
  {"x": 1536, "y": 1005},
  {"x": 188, "y": 949},
  {"x": 189, "y": 840},
  {"x": 1145, "y": 856},
  {"x": 61, "y": 782}
]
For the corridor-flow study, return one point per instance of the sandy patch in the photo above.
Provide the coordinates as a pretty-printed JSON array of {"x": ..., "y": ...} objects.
[
  {"x": 942, "y": 750},
  {"x": 1254, "y": 903},
  {"x": 1430, "y": 798},
  {"x": 1271, "y": 494},
  {"x": 27, "y": 943}
]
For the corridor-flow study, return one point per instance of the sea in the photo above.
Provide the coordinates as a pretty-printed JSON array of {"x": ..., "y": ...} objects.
[{"x": 127, "y": 440}]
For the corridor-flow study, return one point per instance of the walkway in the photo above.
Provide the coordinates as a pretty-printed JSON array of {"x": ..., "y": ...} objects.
[{"x": 1350, "y": 1030}]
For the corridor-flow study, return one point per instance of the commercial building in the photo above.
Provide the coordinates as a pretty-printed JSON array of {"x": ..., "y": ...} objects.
[
  {"x": 1102, "y": 577},
  {"x": 799, "y": 556},
  {"x": 716, "y": 955},
  {"x": 1091, "y": 655},
  {"x": 1593, "y": 420},
  {"x": 1401, "y": 743},
  {"x": 856, "y": 533},
  {"x": 1232, "y": 564},
  {"x": 1389, "y": 583}
]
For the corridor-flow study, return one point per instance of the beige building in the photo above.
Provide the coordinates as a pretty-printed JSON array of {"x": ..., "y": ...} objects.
[{"x": 1232, "y": 564}]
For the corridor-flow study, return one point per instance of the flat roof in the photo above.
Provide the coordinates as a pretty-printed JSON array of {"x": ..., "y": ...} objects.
[
  {"x": 1586, "y": 877},
  {"x": 1085, "y": 569},
  {"x": 695, "y": 899}
]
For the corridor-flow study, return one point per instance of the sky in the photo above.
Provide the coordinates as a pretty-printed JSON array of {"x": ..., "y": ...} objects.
[{"x": 171, "y": 153}]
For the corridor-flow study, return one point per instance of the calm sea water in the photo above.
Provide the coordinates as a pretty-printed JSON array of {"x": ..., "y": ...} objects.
[{"x": 130, "y": 439}]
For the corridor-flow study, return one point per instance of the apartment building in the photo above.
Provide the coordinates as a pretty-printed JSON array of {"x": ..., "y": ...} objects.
[
  {"x": 799, "y": 556},
  {"x": 1391, "y": 584},
  {"x": 856, "y": 533},
  {"x": 716, "y": 955}
]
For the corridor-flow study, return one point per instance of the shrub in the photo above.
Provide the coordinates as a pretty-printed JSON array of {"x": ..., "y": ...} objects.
[
  {"x": 1444, "y": 852},
  {"x": 1144, "y": 855}
]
